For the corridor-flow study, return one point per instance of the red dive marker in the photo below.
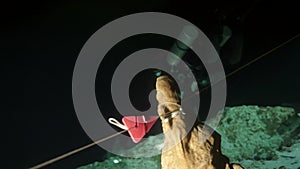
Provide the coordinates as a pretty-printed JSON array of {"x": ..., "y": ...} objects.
[{"x": 137, "y": 126}]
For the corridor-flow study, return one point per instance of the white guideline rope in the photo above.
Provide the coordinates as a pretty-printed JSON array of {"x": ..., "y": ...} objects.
[
  {"x": 173, "y": 114},
  {"x": 41, "y": 165}
]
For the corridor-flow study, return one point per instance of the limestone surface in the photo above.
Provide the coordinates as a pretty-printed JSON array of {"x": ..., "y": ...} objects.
[{"x": 256, "y": 133}]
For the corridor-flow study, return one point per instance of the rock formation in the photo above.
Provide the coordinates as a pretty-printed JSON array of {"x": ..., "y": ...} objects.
[
  {"x": 186, "y": 149},
  {"x": 276, "y": 128}
]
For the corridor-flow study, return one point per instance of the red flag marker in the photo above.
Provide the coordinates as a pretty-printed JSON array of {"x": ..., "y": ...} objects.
[{"x": 139, "y": 126}]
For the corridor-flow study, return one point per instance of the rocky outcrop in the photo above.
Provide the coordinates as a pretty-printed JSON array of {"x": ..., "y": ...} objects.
[
  {"x": 256, "y": 133},
  {"x": 186, "y": 149},
  {"x": 244, "y": 130},
  {"x": 254, "y": 136}
]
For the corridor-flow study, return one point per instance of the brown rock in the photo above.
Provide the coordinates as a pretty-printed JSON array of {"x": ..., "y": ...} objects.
[{"x": 186, "y": 149}]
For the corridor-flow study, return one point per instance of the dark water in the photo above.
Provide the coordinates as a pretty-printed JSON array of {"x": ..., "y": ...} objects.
[{"x": 43, "y": 42}]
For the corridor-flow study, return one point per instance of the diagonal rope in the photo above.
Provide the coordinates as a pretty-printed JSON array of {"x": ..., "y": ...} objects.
[
  {"x": 246, "y": 65},
  {"x": 123, "y": 131},
  {"x": 77, "y": 150},
  {"x": 261, "y": 56}
]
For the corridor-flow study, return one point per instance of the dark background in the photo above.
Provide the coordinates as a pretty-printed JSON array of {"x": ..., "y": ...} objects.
[{"x": 41, "y": 40}]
